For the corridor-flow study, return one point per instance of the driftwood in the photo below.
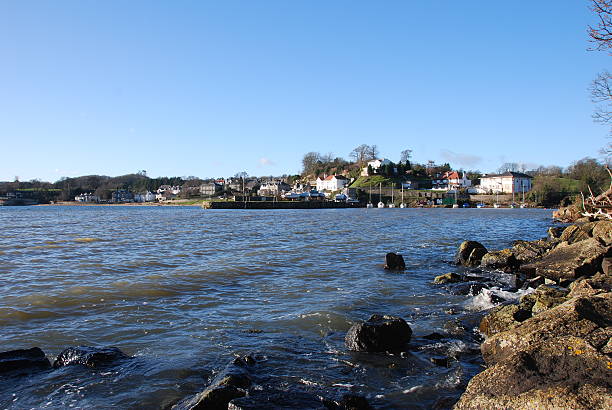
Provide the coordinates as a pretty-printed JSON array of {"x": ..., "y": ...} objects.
[{"x": 600, "y": 206}]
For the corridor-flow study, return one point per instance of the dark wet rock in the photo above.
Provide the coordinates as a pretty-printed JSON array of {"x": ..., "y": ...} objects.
[
  {"x": 434, "y": 336},
  {"x": 450, "y": 277},
  {"x": 554, "y": 232},
  {"x": 467, "y": 288},
  {"x": 454, "y": 327},
  {"x": 89, "y": 356},
  {"x": 23, "y": 361},
  {"x": 546, "y": 297},
  {"x": 378, "y": 334},
  {"x": 275, "y": 399},
  {"x": 444, "y": 403},
  {"x": 504, "y": 260},
  {"x": 560, "y": 372},
  {"x": 244, "y": 361},
  {"x": 393, "y": 261},
  {"x": 352, "y": 402},
  {"x": 441, "y": 361},
  {"x": 470, "y": 253},
  {"x": 579, "y": 317},
  {"x": 602, "y": 231},
  {"x": 233, "y": 382},
  {"x": 568, "y": 262}
]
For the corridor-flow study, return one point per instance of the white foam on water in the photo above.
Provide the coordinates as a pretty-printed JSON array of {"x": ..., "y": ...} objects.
[
  {"x": 483, "y": 300},
  {"x": 413, "y": 389}
]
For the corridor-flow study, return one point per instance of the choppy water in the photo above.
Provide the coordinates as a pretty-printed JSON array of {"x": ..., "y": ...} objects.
[{"x": 184, "y": 289}]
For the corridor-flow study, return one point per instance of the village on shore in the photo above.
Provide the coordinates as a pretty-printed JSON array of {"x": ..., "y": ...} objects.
[{"x": 368, "y": 181}]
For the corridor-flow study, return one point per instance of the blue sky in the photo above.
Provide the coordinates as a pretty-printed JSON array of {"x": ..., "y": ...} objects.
[{"x": 212, "y": 88}]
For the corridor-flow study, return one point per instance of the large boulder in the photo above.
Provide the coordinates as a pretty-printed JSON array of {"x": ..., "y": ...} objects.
[
  {"x": 502, "y": 318},
  {"x": 598, "y": 283},
  {"x": 504, "y": 260},
  {"x": 602, "y": 231},
  {"x": 569, "y": 261},
  {"x": 563, "y": 372},
  {"x": 470, "y": 253},
  {"x": 528, "y": 251},
  {"x": 378, "y": 334},
  {"x": 23, "y": 361},
  {"x": 567, "y": 214},
  {"x": 393, "y": 261},
  {"x": 579, "y": 317},
  {"x": 577, "y": 233},
  {"x": 89, "y": 356}
]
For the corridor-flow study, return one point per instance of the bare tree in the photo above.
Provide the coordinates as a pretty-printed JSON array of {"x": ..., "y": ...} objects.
[
  {"x": 601, "y": 34},
  {"x": 309, "y": 162},
  {"x": 405, "y": 155},
  {"x": 373, "y": 152},
  {"x": 360, "y": 154}
]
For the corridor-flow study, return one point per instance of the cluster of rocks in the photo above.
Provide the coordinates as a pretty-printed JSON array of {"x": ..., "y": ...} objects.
[
  {"x": 552, "y": 348},
  {"x": 26, "y": 361}
]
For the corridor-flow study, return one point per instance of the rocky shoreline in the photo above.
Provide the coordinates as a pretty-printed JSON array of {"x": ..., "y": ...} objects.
[{"x": 551, "y": 348}]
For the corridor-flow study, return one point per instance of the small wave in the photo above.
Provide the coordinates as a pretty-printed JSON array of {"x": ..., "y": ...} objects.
[
  {"x": 87, "y": 240},
  {"x": 484, "y": 299}
]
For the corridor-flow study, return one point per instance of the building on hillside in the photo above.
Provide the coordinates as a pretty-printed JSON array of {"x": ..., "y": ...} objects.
[
  {"x": 450, "y": 180},
  {"x": 374, "y": 165},
  {"x": 88, "y": 198},
  {"x": 210, "y": 189},
  {"x": 273, "y": 188},
  {"x": 122, "y": 195},
  {"x": 507, "y": 183},
  {"x": 331, "y": 183}
]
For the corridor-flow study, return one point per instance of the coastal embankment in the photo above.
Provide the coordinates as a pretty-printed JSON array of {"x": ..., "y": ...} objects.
[
  {"x": 280, "y": 205},
  {"x": 551, "y": 348}
]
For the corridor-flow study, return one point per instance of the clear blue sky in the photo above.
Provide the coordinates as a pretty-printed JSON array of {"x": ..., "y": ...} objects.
[{"x": 208, "y": 88}]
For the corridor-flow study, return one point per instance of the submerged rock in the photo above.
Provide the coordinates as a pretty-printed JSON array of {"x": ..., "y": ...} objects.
[
  {"x": 23, "y": 361},
  {"x": 276, "y": 399},
  {"x": 470, "y": 253},
  {"x": 378, "y": 334},
  {"x": 394, "y": 261},
  {"x": 450, "y": 277},
  {"x": 582, "y": 258},
  {"x": 89, "y": 356}
]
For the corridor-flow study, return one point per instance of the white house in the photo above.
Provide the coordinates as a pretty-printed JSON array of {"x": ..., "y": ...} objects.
[
  {"x": 87, "y": 198},
  {"x": 450, "y": 180},
  {"x": 507, "y": 182},
  {"x": 374, "y": 164},
  {"x": 331, "y": 183},
  {"x": 144, "y": 197},
  {"x": 273, "y": 188}
]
